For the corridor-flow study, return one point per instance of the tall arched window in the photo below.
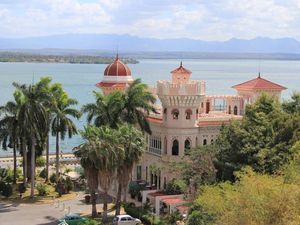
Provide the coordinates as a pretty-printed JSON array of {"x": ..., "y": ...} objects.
[
  {"x": 188, "y": 114},
  {"x": 165, "y": 113},
  {"x": 229, "y": 109},
  {"x": 196, "y": 141},
  {"x": 175, "y": 148},
  {"x": 235, "y": 111},
  {"x": 175, "y": 114},
  {"x": 187, "y": 145},
  {"x": 204, "y": 142}
]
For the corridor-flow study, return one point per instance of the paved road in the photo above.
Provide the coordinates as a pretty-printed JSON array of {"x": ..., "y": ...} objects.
[{"x": 46, "y": 214}]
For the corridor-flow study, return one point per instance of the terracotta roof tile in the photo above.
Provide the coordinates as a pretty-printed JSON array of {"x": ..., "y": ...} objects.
[
  {"x": 117, "y": 68},
  {"x": 259, "y": 84}
]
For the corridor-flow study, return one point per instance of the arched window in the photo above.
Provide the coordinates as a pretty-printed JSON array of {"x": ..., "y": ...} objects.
[
  {"x": 196, "y": 141},
  {"x": 187, "y": 145},
  {"x": 235, "y": 111},
  {"x": 204, "y": 142},
  {"x": 175, "y": 148},
  {"x": 229, "y": 109},
  {"x": 175, "y": 113},
  {"x": 212, "y": 141},
  {"x": 165, "y": 113},
  {"x": 188, "y": 114}
]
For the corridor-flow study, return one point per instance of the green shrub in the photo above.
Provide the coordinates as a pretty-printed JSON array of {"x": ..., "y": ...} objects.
[
  {"x": 42, "y": 189},
  {"x": 134, "y": 189},
  {"x": 43, "y": 173},
  {"x": 176, "y": 187},
  {"x": 68, "y": 184},
  {"x": 7, "y": 190},
  {"x": 40, "y": 161},
  {"x": 22, "y": 188},
  {"x": 53, "y": 178},
  {"x": 90, "y": 222}
]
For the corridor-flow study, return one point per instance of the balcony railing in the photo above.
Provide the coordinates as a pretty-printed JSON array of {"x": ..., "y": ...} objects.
[{"x": 155, "y": 150}]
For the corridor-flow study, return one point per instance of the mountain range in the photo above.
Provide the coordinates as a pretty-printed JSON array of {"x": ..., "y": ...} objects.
[{"x": 129, "y": 43}]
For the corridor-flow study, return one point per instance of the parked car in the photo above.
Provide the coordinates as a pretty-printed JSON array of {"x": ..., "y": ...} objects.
[
  {"x": 125, "y": 220},
  {"x": 72, "y": 219}
]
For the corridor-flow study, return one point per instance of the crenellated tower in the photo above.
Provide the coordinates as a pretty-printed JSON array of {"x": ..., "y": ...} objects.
[{"x": 180, "y": 99}]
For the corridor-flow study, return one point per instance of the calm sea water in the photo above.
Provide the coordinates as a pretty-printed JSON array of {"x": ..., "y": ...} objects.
[{"x": 79, "y": 80}]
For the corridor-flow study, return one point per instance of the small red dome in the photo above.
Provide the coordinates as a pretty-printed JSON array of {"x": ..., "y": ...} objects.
[{"x": 117, "y": 68}]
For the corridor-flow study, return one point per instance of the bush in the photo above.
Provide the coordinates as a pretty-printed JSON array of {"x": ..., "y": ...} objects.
[
  {"x": 53, "y": 178},
  {"x": 68, "y": 184},
  {"x": 90, "y": 222},
  {"x": 42, "y": 189},
  {"x": 22, "y": 188},
  {"x": 7, "y": 190},
  {"x": 43, "y": 173},
  {"x": 134, "y": 189},
  {"x": 176, "y": 187},
  {"x": 40, "y": 161}
]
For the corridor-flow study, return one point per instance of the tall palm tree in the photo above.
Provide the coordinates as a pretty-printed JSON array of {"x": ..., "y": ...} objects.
[
  {"x": 138, "y": 103},
  {"x": 32, "y": 119},
  {"x": 106, "y": 110},
  {"x": 62, "y": 114},
  {"x": 133, "y": 144},
  {"x": 9, "y": 129},
  {"x": 103, "y": 153}
]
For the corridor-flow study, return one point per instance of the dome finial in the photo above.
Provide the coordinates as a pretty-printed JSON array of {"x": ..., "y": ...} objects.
[
  {"x": 259, "y": 75},
  {"x": 180, "y": 63}
]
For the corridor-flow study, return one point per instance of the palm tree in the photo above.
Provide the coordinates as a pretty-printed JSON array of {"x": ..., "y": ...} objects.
[
  {"x": 9, "y": 129},
  {"x": 138, "y": 103},
  {"x": 103, "y": 153},
  {"x": 32, "y": 119},
  {"x": 133, "y": 144},
  {"x": 61, "y": 122},
  {"x": 86, "y": 152},
  {"x": 106, "y": 110}
]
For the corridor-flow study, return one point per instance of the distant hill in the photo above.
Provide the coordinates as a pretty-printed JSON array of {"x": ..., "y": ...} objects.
[{"x": 128, "y": 43}]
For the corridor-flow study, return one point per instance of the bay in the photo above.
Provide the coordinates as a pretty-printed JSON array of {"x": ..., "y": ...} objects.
[{"x": 79, "y": 79}]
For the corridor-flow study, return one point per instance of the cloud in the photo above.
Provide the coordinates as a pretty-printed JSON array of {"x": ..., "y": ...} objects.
[{"x": 198, "y": 19}]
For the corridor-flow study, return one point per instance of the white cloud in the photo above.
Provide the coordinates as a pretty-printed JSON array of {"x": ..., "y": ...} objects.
[{"x": 200, "y": 19}]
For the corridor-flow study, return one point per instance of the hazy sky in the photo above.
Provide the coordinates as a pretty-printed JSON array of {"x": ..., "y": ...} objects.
[{"x": 198, "y": 19}]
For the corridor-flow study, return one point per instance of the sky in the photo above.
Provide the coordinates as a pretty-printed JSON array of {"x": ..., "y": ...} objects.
[{"x": 212, "y": 20}]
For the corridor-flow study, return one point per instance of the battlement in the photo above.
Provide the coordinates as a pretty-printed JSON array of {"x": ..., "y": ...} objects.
[{"x": 191, "y": 87}]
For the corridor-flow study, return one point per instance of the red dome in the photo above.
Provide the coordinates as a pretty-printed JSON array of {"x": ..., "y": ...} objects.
[{"x": 117, "y": 68}]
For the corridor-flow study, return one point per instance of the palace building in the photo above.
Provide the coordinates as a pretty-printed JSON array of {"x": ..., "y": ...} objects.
[{"x": 186, "y": 118}]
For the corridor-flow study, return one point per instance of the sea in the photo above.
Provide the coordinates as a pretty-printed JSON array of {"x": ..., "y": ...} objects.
[{"x": 79, "y": 79}]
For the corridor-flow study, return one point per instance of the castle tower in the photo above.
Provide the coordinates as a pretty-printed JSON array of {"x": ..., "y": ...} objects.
[
  {"x": 180, "y": 98},
  {"x": 117, "y": 76}
]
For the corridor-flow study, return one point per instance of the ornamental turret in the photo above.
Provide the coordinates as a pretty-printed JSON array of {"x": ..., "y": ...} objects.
[{"x": 180, "y": 98}]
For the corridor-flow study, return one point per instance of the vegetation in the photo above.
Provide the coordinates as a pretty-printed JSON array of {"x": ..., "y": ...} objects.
[
  {"x": 176, "y": 187},
  {"x": 112, "y": 145},
  {"x": 42, "y": 189},
  {"x": 74, "y": 59},
  {"x": 258, "y": 164}
]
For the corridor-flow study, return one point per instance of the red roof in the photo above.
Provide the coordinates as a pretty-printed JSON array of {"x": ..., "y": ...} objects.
[
  {"x": 117, "y": 68},
  {"x": 183, "y": 209},
  {"x": 181, "y": 70},
  {"x": 107, "y": 84},
  {"x": 173, "y": 201},
  {"x": 155, "y": 194},
  {"x": 154, "y": 120},
  {"x": 259, "y": 84}
]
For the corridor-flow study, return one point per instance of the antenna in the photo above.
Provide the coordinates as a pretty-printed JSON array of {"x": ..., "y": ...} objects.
[
  {"x": 117, "y": 52},
  {"x": 259, "y": 65}
]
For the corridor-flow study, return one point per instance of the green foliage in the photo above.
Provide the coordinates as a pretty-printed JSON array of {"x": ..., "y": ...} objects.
[
  {"x": 254, "y": 199},
  {"x": 7, "y": 190},
  {"x": 176, "y": 187},
  {"x": 40, "y": 161},
  {"x": 43, "y": 173},
  {"x": 43, "y": 189},
  {"x": 173, "y": 217},
  {"x": 68, "y": 184},
  {"x": 90, "y": 222},
  {"x": 52, "y": 178},
  {"x": 22, "y": 188},
  {"x": 134, "y": 189},
  {"x": 262, "y": 140}
]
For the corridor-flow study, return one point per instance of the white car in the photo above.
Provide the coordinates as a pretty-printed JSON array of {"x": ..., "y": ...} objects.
[{"x": 125, "y": 220}]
